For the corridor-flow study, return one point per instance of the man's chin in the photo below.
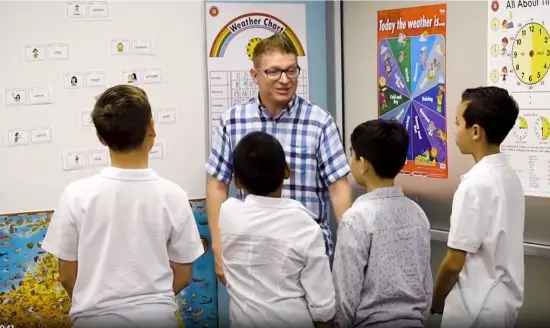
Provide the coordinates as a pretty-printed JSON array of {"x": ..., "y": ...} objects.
[{"x": 283, "y": 98}]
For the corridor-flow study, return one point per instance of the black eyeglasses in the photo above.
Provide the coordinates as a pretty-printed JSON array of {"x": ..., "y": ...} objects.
[{"x": 275, "y": 74}]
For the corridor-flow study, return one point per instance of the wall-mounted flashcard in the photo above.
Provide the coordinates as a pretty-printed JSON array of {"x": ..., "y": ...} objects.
[
  {"x": 17, "y": 137},
  {"x": 98, "y": 9},
  {"x": 120, "y": 47},
  {"x": 157, "y": 152},
  {"x": 96, "y": 79},
  {"x": 36, "y": 52},
  {"x": 58, "y": 51},
  {"x": 152, "y": 75},
  {"x": 132, "y": 76},
  {"x": 15, "y": 97},
  {"x": 86, "y": 119},
  {"x": 40, "y": 96},
  {"x": 77, "y": 9},
  {"x": 74, "y": 80},
  {"x": 167, "y": 116},
  {"x": 42, "y": 134},
  {"x": 98, "y": 157},
  {"x": 75, "y": 160},
  {"x": 141, "y": 47}
]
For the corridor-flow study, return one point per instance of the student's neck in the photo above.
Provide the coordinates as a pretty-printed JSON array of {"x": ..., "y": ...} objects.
[
  {"x": 485, "y": 151},
  {"x": 131, "y": 160},
  {"x": 379, "y": 183}
]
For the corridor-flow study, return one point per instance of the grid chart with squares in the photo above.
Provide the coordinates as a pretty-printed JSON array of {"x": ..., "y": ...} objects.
[{"x": 230, "y": 88}]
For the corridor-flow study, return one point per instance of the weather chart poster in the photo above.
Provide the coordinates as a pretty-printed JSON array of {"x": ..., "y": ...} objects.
[
  {"x": 232, "y": 31},
  {"x": 412, "y": 83}
]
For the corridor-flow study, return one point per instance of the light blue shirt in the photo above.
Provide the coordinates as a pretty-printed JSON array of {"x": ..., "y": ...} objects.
[{"x": 381, "y": 268}]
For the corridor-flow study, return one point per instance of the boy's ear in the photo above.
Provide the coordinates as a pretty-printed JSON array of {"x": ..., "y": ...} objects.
[
  {"x": 101, "y": 140},
  {"x": 365, "y": 165},
  {"x": 476, "y": 132},
  {"x": 151, "y": 129},
  {"x": 287, "y": 171},
  {"x": 238, "y": 184}
]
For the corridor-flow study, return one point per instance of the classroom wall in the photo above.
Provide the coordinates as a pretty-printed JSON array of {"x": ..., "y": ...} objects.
[{"x": 466, "y": 67}]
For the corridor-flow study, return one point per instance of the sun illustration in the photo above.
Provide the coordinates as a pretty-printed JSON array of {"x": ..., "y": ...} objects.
[{"x": 251, "y": 45}]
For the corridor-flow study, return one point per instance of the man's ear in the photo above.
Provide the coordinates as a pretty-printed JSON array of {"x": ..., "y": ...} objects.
[
  {"x": 287, "y": 171},
  {"x": 238, "y": 184},
  {"x": 254, "y": 75}
]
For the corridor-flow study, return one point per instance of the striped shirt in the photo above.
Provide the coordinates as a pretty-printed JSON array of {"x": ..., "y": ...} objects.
[{"x": 311, "y": 142}]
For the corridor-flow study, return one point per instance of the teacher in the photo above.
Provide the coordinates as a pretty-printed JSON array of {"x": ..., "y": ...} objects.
[{"x": 308, "y": 134}]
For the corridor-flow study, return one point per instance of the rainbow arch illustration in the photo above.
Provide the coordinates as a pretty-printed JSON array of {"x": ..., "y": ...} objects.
[{"x": 225, "y": 35}]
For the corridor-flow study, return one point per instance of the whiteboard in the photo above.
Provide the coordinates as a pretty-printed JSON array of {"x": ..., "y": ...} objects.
[{"x": 46, "y": 140}]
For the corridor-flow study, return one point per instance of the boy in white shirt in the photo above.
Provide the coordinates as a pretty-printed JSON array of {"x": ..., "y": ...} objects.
[
  {"x": 480, "y": 282},
  {"x": 274, "y": 255},
  {"x": 125, "y": 238},
  {"x": 381, "y": 266}
]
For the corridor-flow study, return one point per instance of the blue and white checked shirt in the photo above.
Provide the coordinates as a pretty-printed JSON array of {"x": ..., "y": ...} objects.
[{"x": 311, "y": 142}]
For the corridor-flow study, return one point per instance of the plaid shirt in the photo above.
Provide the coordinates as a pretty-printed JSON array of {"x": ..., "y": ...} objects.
[{"x": 311, "y": 142}]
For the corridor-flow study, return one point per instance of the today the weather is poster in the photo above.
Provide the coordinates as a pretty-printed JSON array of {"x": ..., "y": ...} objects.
[{"x": 412, "y": 83}]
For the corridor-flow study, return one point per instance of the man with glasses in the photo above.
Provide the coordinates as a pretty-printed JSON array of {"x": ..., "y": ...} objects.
[{"x": 308, "y": 134}]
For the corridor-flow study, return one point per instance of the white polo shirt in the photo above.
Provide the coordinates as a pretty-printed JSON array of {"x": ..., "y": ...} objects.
[
  {"x": 275, "y": 263},
  {"x": 123, "y": 227},
  {"x": 487, "y": 220}
]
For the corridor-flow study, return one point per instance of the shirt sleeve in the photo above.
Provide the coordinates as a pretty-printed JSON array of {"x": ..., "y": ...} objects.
[
  {"x": 317, "y": 282},
  {"x": 428, "y": 288},
  {"x": 468, "y": 224},
  {"x": 185, "y": 245},
  {"x": 220, "y": 160},
  {"x": 348, "y": 271},
  {"x": 331, "y": 158},
  {"x": 61, "y": 239}
]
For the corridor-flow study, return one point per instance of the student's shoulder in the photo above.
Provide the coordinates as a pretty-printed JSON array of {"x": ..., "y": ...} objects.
[
  {"x": 170, "y": 190},
  {"x": 475, "y": 186},
  {"x": 231, "y": 204},
  {"x": 84, "y": 185},
  {"x": 359, "y": 215},
  {"x": 298, "y": 212}
]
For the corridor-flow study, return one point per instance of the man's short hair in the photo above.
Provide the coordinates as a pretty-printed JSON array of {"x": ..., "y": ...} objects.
[
  {"x": 259, "y": 163},
  {"x": 493, "y": 109},
  {"x": 384, "y": 143},
  {"x": 278, "y": 42},
  {"x": 121, "y": 116}
]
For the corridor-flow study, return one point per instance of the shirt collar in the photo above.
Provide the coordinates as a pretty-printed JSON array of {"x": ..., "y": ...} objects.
[
  {"x": 291, "y": 106},
  {"x": 266, "y": 201},
  {"x": 487, "y": 162},
  {"x": 116, "y": 173},
  {"x": 382, "y": 193}
]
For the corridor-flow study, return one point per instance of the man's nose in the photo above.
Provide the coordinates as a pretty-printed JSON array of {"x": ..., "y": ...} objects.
[{"x": 284, "y": 78}]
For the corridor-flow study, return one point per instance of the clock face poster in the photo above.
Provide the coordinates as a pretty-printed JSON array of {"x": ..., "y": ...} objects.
[
  {"x": 411, "y": 83},
  {"x": 518, "y": 60}
]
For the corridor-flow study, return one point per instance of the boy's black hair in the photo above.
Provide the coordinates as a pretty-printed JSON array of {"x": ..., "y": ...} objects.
[
  {"x": 121, "y": 116},
  {"x": 384, "y": 143},
  {"x": 493, "y": 109},
  {"x": 259, "y": 163}
]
